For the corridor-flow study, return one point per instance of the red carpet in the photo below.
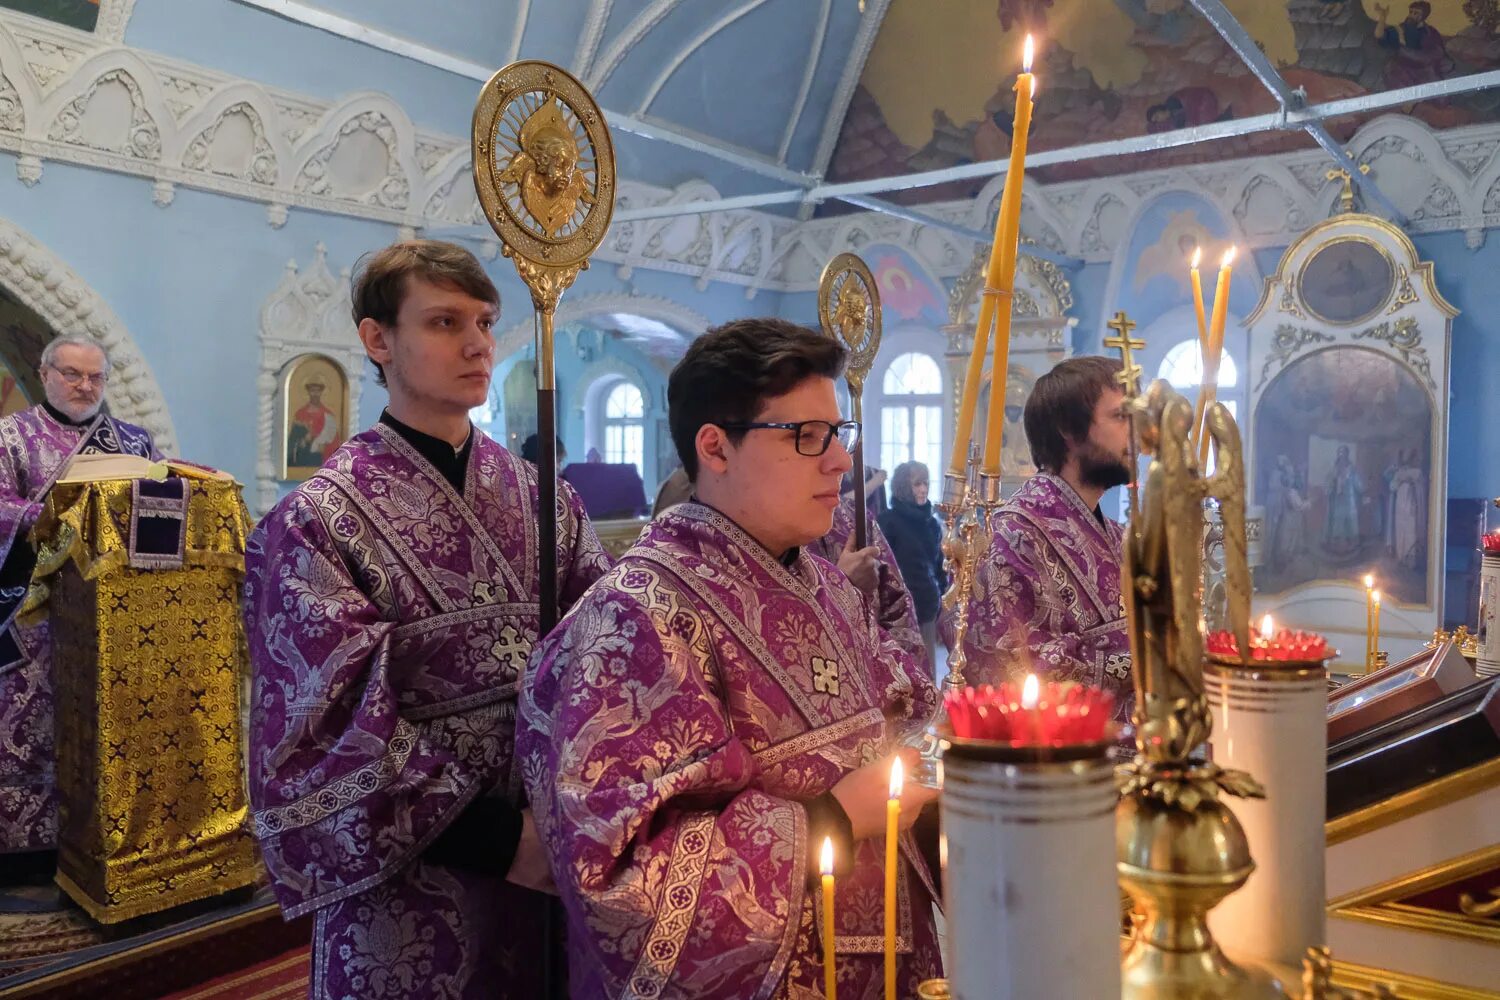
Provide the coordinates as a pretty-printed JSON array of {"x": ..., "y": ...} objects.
[{"x": 281, "y": 978}]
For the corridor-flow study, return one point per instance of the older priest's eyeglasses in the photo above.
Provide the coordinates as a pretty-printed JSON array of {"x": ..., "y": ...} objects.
[
  {"x": 813, "y": 436},
  {"x": 73, "y": 376}
]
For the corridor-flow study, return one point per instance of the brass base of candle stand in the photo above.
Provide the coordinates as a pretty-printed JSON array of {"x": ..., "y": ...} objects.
[{"x": 1177, "y": 864}]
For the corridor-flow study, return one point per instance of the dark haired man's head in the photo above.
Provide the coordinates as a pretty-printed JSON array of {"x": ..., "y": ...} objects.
[
  {"x": 421, "y": 285},
  {"x": 1076, "y": 423},
  {"x": 760, "y": 371},
  {"x": 529, "y": 449}
]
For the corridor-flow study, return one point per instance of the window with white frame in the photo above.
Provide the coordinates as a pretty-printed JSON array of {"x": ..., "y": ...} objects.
[
  {"x": 1182, "y": 368},
  {"x": 910, "y": 408},
  {"x": 625, "y": 425}
]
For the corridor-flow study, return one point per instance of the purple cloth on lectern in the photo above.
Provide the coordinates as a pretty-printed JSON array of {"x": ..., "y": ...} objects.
[
  {"x": 608, "y": 489},
  {"x": 35, "y": 449}
]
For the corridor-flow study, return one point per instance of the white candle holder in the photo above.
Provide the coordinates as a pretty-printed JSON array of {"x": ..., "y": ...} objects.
[
  {"x": 1270, "y": 719},
  {"x": 1487, "y": 663},
  {"x": 1032, "y": 902}
]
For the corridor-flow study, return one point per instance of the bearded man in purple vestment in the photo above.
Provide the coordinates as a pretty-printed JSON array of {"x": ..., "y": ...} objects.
[
  {"x": 1047, "y": 592},
  {"x": 721, "y": 702},
  {"x": 36, "y": 446},
  {"x": 390, "y": 605}
]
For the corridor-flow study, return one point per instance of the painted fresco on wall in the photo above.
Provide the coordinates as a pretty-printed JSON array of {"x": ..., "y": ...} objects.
[
  {"x": 81, "y": 14},
  {"x": 1342, "y": 466},
  {"x": 23, "y": 334},
  {"x": 936, "y": 90},
  {"x": 315, "y": 393},
  {"x": 907, "y": 294},
  {"x": 12, "y": 399}
]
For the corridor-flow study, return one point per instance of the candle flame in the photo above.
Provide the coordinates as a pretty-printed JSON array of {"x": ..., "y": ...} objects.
[
  {"x": 826, "y": 858},
  {"x": 1375, "y": 596},
  {"x": 1267, "y": 628},
  {"x": 1031, "y": 692},
  {"x": 1369, "y": 581},
  {"x": 896, "y": 778},
  {"x": 1197, "y": 257},
  {"x": 1228, "y": 258},
  {"x": 1026, "y": 54}
]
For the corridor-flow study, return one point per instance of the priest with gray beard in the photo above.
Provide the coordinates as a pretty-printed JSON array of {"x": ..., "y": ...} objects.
[{"x": 36, "y": 446}]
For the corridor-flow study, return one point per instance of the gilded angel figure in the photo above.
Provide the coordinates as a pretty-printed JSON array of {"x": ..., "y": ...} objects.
[{"x": 546, "y": 169}]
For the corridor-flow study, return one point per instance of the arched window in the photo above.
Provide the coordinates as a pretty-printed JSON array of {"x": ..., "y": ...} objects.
[
  {"x": 910, "y": 406},
  {"x": 1183, "y": 369},
  {"x": 625, "y": 426}
]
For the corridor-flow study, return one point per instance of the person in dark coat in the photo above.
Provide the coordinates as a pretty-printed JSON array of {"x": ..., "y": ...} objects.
[{"x": 916, "y": 538}]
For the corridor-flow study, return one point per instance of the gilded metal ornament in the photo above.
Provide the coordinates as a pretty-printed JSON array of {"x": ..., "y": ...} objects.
[
  {"x": 544, "y": 165},
  {"x": 849, "y": 309},
  {"x": 1180, "y": 850}
]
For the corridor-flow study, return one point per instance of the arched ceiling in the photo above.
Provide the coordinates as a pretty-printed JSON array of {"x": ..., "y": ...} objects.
[{"x": 759, "y": 75}]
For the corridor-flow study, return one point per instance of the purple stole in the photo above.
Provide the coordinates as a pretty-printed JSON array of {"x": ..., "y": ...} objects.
[{"x": 674, "y": 725}]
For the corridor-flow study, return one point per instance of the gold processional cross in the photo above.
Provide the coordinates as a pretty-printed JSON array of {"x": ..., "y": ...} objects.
[
  {"x": 1122, "y": 341},
  {"x": 1346, "y": 196}
]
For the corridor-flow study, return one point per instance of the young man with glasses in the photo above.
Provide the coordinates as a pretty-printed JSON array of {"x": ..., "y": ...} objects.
[
  {"x": 721, "y": 702},
  {"x": 36, "y": 446}
]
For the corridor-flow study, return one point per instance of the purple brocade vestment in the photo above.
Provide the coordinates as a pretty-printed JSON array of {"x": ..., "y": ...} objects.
[
  {"x": 674, "y": 726},
  {"x": 389, "y": 622}
]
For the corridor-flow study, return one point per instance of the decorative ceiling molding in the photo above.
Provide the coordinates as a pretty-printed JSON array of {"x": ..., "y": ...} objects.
[
  {"x": 65, "y": 96},
  {"x": 693, "y": 45},
  {"x": 636, "y": 30},
  {"x": 590, "y": 35},
  {"x": 814, "y": 60},
  {"x": 114, "y": 16},
  {"x": 853, "y": 70},
  {"x": 45, "y": 284}
]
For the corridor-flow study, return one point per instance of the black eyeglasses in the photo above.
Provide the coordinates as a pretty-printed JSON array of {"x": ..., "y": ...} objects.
[{"x": 813, "y": 436}]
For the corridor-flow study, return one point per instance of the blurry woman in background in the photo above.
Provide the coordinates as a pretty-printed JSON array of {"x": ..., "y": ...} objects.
[{"x": 916, "y": 538}]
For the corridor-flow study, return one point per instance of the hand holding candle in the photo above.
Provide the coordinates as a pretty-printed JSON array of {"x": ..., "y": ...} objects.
[
  {"x": 830, "y": 976},
  {"x": 892, "y": 858}
]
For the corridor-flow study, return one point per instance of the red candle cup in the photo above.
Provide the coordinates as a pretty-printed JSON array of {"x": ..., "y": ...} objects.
[
  {"x": 1285, "y": 646},
  {"x": 1059, "y": 715},
  {"x": 1491, "y": 543}
]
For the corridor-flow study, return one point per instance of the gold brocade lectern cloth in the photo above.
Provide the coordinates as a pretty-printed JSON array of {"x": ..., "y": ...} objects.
[{"x": 147, "y": 666}]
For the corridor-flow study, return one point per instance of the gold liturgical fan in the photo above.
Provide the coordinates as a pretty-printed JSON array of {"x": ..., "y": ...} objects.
[
  {"x": 849, "y": 311},
  {"x": 544, "y": 171}
]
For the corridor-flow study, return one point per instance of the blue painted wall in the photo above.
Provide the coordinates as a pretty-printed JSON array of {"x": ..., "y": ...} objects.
[{"x": 188, "y": 283}]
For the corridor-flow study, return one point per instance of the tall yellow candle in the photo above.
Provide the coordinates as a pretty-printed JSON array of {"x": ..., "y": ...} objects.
[
  {"x": 830, "y": 977},
  {"x": 1009, "y": 239},
  {"x": 1369, "y": 621},
  {"x": 1375, "y": 632},
  {"x": 1202, "y": 317},
  {"x": 1214, "y": 351},
  {"x": 968, "y": 401},
  {"x": 892, "y": 818}
]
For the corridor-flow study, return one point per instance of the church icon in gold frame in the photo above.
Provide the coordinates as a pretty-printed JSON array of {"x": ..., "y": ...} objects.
[{"x": 315, "y": 414}]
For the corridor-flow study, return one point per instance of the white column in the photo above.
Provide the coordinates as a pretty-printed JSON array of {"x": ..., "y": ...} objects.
[
  {"x": 1271, "y": 721},
  {"x": 1032, "y": 898}
]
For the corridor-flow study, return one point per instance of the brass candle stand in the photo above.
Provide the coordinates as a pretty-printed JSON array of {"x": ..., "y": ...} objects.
[{"x": 1179, "y": 849}]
